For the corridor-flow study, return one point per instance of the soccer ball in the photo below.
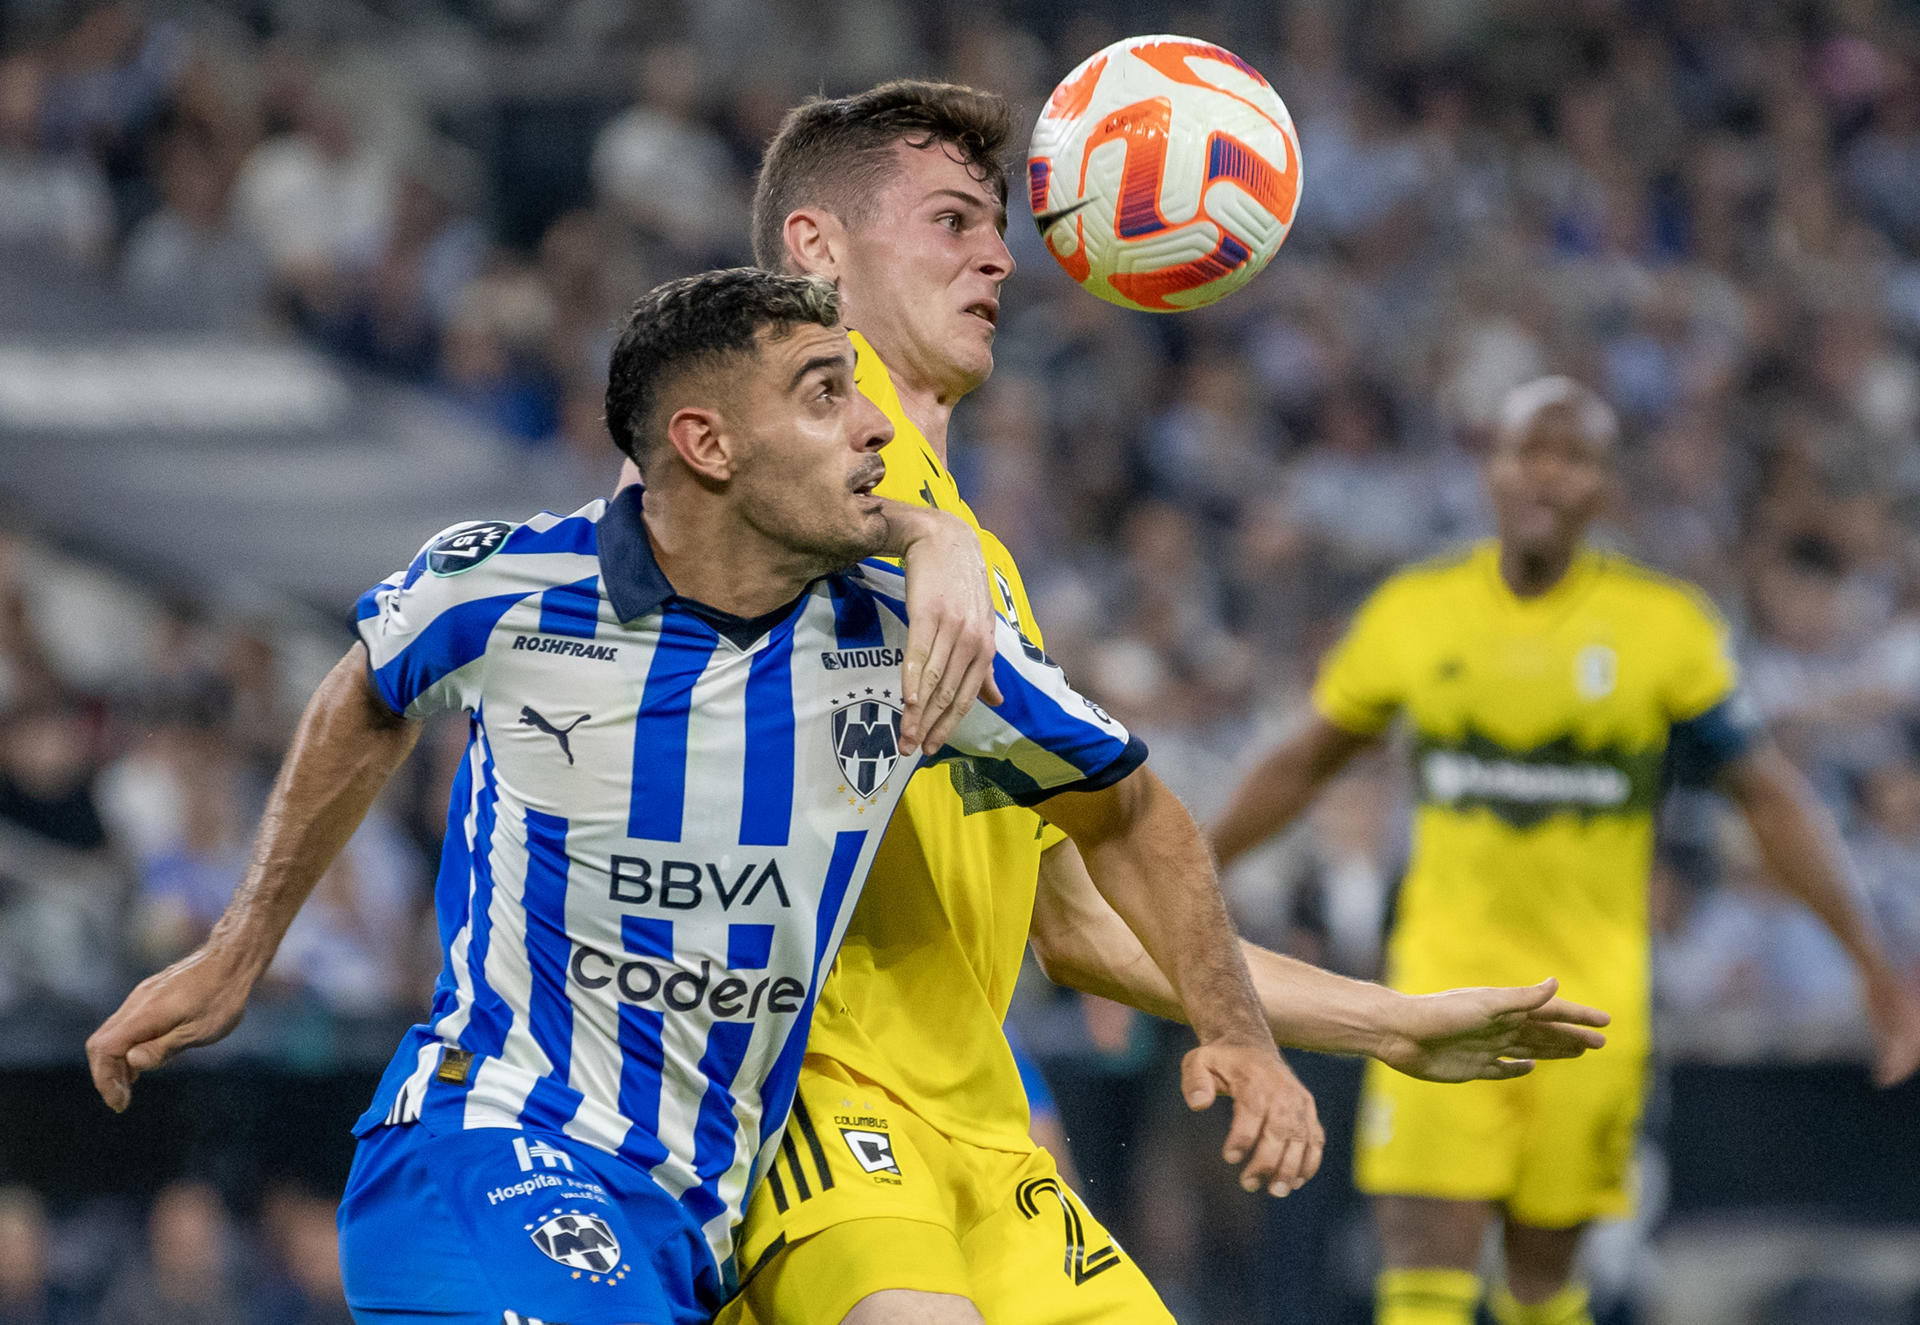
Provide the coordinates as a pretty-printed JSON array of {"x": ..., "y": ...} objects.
[{"x": 1164, "y": 173}]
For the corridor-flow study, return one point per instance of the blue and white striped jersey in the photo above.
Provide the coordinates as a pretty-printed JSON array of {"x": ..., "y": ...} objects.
[{"x": 659, "y": 833}]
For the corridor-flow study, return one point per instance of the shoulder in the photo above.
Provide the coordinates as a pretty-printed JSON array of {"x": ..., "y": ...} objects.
[
  {"x": 1674, "y": 600},
  {"x": 480, "y": 559}
]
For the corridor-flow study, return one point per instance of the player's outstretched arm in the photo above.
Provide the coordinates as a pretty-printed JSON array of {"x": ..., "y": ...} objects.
[
  {"x": 1282, "y": 784},
  {"x": 1801, "y": 847},
  {"x": 1146, "y": 853},
  {"x": 950, "y": 637},
  {"x": 1459, "y": 1035},
  {"x": 347, "y": 746}
]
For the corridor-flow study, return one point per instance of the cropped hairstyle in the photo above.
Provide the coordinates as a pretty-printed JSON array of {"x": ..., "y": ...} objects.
[
  {"x": 836, "y": 153},
  {"x": 695, "y": 323}
]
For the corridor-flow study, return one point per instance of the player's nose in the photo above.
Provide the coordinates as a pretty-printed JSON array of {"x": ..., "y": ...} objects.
[
  {"x": 996, "y": 259},
  {"x": 872, "y": 428}
]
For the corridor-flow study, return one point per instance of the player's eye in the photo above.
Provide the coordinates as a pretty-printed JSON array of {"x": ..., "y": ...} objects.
[{"x": 951, "y": 220}]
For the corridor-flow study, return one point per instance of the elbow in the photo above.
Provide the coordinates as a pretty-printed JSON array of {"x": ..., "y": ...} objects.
[{"x": 1057, "y": 959}]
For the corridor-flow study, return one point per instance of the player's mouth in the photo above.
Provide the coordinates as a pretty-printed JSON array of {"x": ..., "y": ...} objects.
[
  {"x": 987, "y": 310},
  {"x": 867, "y": 478}
]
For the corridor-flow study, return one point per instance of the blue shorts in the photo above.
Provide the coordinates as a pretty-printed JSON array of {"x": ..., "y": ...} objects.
[{"x": 496, "y": 1226}]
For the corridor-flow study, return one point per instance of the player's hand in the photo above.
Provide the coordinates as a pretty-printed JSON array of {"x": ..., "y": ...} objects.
[
  {"x": 950, "y": 647},
  {"x": 1895, "y": 1013},
  {"x": 1276, "y": 1129},
  {"x": 1488, "y": 1034},
  {"x": 197, "y": 1000}
]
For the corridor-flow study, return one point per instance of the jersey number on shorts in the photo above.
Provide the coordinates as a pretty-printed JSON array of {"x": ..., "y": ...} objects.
[{"x": 1080, "y": 1264}]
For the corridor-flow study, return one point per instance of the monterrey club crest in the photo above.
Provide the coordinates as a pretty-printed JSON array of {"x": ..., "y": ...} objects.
[
  {"x": 866, "y": 738},
  {"x": 579, "y": 1241}
]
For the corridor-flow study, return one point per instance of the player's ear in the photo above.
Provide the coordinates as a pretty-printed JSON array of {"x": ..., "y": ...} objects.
[
  {"x": 699, "y": 438},
  {"x": 815, "y": 242}
]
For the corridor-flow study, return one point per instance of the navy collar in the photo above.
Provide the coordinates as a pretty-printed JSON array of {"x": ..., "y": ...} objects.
[{"x": 629, "y": 576}]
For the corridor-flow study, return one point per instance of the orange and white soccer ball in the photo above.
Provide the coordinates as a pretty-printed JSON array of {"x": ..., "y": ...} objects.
[{"x": 1164, "y": 173}]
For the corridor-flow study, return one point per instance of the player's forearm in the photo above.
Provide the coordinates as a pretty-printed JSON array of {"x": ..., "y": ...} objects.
[
  {"x": 1281, "y": 786},
  {"x": 1145, "y": 854},
  {"x": 1801, "y": 848},
  {"x": 1084, "y": 944},
  {"x": 346, "y": 747}
]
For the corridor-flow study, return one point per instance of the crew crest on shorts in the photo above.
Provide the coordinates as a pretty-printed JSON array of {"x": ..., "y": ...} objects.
[{"x": 657, "y": 834}]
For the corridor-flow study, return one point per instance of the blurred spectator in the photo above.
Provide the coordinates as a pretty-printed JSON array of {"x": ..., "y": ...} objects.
[
  {"x": 46, "y": 776},
  {"x": 189, "y": 256},
  {"x": 1886, "y": 852},
  {"x": 318, "y": 197},
  {"x": 303, "y": 1285},
  {"x": 24, "y": 1290},
  {"x": 351, "y": 945},
  {"x": 666, "y": 174},
  {"x": 53, "y": 202},
  {"x": 187, "y": 879},
  {"x": 186, "y": 1276}
]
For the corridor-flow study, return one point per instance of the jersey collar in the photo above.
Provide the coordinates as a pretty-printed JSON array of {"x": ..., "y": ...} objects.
[{"x": 629, "y": 576}]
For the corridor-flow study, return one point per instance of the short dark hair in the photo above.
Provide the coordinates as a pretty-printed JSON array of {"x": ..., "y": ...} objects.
[
  {"x": 833, "y": 153},
  {"x": 690, "y": 323}
]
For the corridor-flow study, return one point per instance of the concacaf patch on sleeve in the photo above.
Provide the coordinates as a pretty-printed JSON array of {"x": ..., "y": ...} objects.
[{"x": 466, "y": 547}]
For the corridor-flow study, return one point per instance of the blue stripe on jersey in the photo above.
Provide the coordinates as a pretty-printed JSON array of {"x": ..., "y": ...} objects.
[
  {"x": 487, "y": 1022},
  {"x": 749, "y": 948},
  {"x": 856, "y": 622},
  {"x": 368, "y": 603},
  {"x": 660, "y": 732},
  {"x": 550, "y": 1012},
  {"x": 550, "y": 1105},
  {"x": 641, "y": 1055},
  {"x": 571, "y": 609},
  {"x": 417, "y": 567},
  {"x": 573, "y": 534},
  {"x": 715, "y": 1133},
  {"x": 766, "y": 804},
  {"x": 1037, "y": 715},
  {"x": 776, "y": 1096},
  {"x": 452, "y": 889},
  {"x": 449, "y": 642}
]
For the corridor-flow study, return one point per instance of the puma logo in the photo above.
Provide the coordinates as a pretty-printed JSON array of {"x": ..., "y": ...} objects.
[{"x": 528, "y": 718}]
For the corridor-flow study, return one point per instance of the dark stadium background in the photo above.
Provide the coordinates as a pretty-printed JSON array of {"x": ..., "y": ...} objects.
[{"x": 287, "y": 286}]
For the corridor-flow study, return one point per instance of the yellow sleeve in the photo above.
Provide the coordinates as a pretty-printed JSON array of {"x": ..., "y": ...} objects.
[
  {"x": 1360, "y": 686},
  {"x": 1703, "y": 672}
]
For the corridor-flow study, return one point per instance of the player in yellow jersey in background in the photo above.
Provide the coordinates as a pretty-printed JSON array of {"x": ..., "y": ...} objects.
[
  {"x": 1543, "y": 683},
  {"x": 908, "y": 1187}
]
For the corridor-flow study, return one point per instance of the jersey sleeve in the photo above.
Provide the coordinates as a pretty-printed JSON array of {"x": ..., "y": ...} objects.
[
  {"x": 426, "y": 627},
  {"x": 1359, "y": 687},
  {"x": 1712, "y": 722},
  {"x": 1044, "y": 737},
  {"x": 1701, "y": 672}
]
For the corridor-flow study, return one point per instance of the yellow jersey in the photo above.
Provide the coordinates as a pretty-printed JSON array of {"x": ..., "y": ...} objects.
[
  {"x": 1538, "y": 728},
  {"x": 917, "y": 997}
]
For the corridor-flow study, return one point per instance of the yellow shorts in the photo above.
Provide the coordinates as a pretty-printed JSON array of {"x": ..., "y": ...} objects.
[
  {"x": 1554, "y": 1147},
  {"x": 866, "y": 1196}
]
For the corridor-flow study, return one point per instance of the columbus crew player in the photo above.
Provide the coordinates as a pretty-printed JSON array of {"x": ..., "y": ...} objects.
[
  {"x": 911, "y": 1188},
  {"x": 1542, "y": 682}
]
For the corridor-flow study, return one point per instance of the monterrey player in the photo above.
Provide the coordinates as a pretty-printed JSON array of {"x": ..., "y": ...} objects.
[{"x": 658, "y": 835}]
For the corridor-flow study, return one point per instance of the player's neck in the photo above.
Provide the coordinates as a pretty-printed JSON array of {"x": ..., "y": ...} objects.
[
  {"x": 1531, "y": 572},
  {"x": 929, "y": 411},
  {"x": 710, "y": 556}
]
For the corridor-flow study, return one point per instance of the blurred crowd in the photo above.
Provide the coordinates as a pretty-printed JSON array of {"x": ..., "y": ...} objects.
[{"x": 1710, "y": 211}]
